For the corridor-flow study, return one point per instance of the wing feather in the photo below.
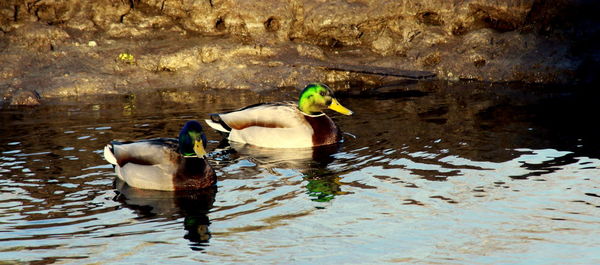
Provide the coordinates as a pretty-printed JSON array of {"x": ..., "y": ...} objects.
[
  {"x": 265, "y": 115},
  {"x": 145, "y": 152}
]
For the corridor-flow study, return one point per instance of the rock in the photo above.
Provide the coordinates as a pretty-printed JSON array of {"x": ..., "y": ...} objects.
[
  {"x": 383, "y": 44},
  {"x": 38, "y": 36},
  {"x": 80, "y": 24},
  {"x": 210, "y": 54},
  {"x": 310, "y": 51},
  {"x": 25, "y": 98}
]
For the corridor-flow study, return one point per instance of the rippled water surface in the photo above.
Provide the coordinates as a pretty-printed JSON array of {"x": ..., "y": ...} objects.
[{"x": 460, "y": 174}]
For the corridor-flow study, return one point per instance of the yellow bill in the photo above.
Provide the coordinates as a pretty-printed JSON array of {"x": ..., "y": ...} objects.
[
  {"x": 199, "y": 148},
  {"x": 336, "y": 106}
]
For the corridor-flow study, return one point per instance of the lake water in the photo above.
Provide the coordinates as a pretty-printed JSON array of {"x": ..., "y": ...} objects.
[{"x": 428, "y": 173}]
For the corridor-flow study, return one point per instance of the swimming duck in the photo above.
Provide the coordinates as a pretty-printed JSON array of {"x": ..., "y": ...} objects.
[
  {"x": 164, "y": 163},
  {"x": 284, "y": 124}
]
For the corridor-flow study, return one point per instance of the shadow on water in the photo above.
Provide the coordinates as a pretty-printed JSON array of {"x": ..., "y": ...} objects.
[
  {"x": 490, "y": 121},
  {"x": 194, "y": 206}
]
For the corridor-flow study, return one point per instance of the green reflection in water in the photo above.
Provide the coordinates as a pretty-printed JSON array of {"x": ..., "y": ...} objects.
[{"x": 323, "y": 188}]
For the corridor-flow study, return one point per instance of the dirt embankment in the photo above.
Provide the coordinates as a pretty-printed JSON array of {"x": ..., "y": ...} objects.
[{"x": 79, "y": 47}]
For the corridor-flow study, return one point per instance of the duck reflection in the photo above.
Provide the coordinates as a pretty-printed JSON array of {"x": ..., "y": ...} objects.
[
  {"x": 194, "y": 206},
  {"x": 293, "y": 158},
  {"x": 322, "y": 184}
]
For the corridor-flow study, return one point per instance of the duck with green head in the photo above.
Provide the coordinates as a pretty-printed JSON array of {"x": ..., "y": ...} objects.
[
  {"x": 164, "y": 163},
  {"x": 284, "y": 124}
]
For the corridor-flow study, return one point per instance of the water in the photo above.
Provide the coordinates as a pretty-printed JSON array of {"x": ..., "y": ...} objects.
[{"x": 427, "y": 174}]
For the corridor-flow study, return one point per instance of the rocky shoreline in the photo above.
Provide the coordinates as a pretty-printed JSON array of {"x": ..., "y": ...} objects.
[{"x": 65, "y": 48}]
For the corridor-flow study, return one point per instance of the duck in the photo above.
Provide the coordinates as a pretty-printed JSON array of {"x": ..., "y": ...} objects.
[
  {"x": 286, "y": 124},
  {"x": 167, "y": 164}
]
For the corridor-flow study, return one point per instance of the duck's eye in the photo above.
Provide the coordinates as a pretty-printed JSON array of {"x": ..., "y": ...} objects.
[{"x": 322, "y": 93}]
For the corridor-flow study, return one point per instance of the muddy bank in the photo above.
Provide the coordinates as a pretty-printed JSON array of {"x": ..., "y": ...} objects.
[{"x": 75, "y": 47}]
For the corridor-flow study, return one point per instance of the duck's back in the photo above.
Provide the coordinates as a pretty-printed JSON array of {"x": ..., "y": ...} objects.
[{"x": 278, "y": 125}]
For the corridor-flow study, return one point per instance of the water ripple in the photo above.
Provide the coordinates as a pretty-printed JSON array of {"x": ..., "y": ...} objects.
[{"x": 442, "y": 177}]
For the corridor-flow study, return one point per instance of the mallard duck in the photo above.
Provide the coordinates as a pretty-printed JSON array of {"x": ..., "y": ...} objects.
[
  {"x": 164, "y": 163},
  {"x": 284, "y": 124}
]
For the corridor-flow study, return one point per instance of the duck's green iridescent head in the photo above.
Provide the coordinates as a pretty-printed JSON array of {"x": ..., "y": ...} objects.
[
  {"x": 192, "y": 141},
  {"x": 317, "y": 97}
]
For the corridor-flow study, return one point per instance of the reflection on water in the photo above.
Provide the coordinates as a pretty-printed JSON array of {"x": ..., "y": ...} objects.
[
  {"x": 192, "y": 205},
  {"x": 321, "y": 187},
  {"x": 427, "y": 173},
  {"x": 311, "y": 162}
]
